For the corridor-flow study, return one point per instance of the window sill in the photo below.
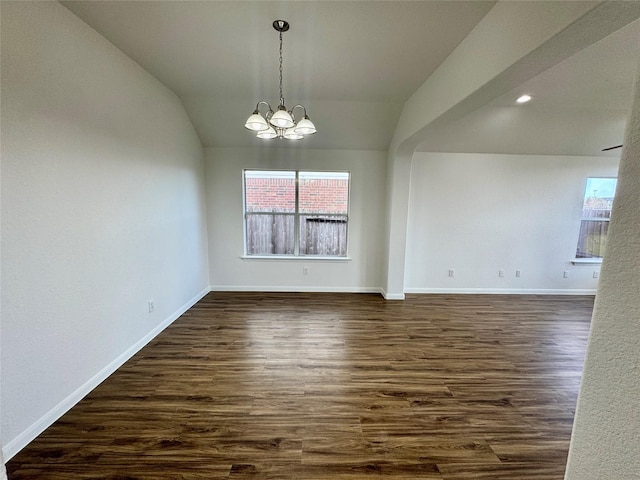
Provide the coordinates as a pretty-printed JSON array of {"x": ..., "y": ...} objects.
[
  {"x": 586, "y": 261},
  {"x": 302, "y": 258}
]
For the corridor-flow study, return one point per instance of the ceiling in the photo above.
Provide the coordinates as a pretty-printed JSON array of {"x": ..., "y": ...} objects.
[
  {"x": 579, "y": 107},
  {"x": 353, "y": 64}
]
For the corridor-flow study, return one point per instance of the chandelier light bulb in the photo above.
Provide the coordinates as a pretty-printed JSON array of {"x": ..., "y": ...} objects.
[
  {"x": 305, "y": 127},
  {"x": 268, "y": 133},
  {"x": 256, "y": 122},
  {"x": 291, "y": 134},
  {"x": 282, "y": 119}
]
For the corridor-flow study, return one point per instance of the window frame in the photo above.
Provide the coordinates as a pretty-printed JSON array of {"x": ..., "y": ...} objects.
[{"x": 296, "y": 215}]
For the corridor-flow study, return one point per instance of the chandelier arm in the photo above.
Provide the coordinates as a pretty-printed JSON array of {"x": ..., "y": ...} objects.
[
  {"x": 298, "y": 106},
  {"x": 262, "y": 102}
]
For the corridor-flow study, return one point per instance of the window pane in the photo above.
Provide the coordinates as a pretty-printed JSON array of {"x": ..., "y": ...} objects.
[
  {"x": 270, "y": 191},
  {"x": 323, "y": 192},
  {"x": 323, "y": 235},
  {"x": 593, "y": 238},
  {"x": 598, "y": 197},
  {"x": 596, "y": 212},
  {"x": 270, "y": 234}
]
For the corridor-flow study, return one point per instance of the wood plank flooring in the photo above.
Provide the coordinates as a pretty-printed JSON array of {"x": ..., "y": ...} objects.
[{"x": 334, "y": 386}]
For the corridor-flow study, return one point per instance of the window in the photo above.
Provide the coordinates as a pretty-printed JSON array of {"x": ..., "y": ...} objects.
[
  {"x": 596, "y": 213},
  {"x": 296, "y": 213}
]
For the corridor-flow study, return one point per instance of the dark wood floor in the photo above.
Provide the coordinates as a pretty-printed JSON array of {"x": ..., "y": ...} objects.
[{"x": 334, "y": 386}]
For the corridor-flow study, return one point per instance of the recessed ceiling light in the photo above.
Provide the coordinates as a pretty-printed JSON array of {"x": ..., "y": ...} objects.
[{"x": 523, "y": 98}]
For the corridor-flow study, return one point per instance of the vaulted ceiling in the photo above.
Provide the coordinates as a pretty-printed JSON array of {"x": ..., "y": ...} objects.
[{"x": 353, "y": 64}]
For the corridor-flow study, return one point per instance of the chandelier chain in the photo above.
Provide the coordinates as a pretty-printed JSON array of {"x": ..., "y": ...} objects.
[{"x": 281, "y": 96}]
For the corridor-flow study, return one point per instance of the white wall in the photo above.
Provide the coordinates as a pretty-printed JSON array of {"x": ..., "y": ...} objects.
[
  {"x": 102, "y": 209},
  {"x": 228, "y": 271},
  {"x": 497, "y": 212}
]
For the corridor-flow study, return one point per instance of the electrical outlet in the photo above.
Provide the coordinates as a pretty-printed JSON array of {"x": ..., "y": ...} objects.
[
  {"x": 152, "y": 307},
  {"x": 305, "y": 270},
  {"x": 452, "y": 272},
  {"x": 501, "y": 273},
  {"x": 565, "y": 274},
  {"x": 518, "y": 273},
  {"x": 596, "y": 274}
]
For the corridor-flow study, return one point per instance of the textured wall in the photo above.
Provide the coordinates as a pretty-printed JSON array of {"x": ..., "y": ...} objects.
[
  {"x": 606, "y": 436},
  {"x": 102, "y": 210}
]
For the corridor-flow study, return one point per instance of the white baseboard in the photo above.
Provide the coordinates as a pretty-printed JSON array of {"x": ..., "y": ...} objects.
[
  {"x": 391, "y": 296},
  {"x": 293, "y": 288},
  {"x": 21, "y": 441},
  {"x": 298, "y": 288},
  {"x": 401, "y": 296},
  {"x": 504, "y": 291}
]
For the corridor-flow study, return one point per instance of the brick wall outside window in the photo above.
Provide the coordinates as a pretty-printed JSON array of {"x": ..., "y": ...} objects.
[
  {"x": 323, "y": 196},
  {"x": 278, "y": 195},
  {"x": 270, "y": 194}
]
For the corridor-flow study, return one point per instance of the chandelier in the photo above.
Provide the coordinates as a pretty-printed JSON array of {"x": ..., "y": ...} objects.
[{"x": 282, "y": 123}]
